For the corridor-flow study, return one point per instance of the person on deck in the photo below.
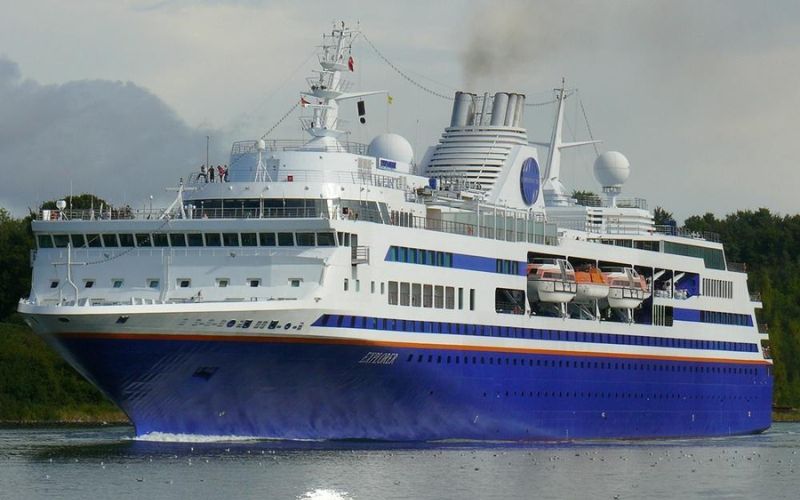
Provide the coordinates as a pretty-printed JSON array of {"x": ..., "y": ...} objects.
[
  {"x": 202, "y": 173},
  {"x": 211, "y": 173},
  {"x": 221, "y": 173}
]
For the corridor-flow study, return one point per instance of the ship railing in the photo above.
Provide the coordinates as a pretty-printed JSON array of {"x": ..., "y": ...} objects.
[
  {"x": 548, "y": 235},
  {"x": 596, "y": 201},
  {"x": 125, "y": 213},
  {"x": 258, "y": 213},
  {"x": 737, "y": 267},
  {"x": 256, "y": 174},
  {"x": 249, "y": 147},
  {"x": 686, "y": 233}
]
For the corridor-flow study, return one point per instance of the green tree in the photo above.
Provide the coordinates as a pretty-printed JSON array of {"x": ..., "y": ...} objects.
[
  {"x": 16, "y": 241},
  {"x": 587, "y": 198},
  {"x": 83, "y": 201},
  {"x": 662, "y": 218}
]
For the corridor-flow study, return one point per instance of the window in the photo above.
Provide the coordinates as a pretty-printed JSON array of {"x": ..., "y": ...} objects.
[
  {"x": 416, "y": 295},
  {"x": 117, "y": 283},
  {"x": 438, "y": 297},
  {"x": 254, "y": 282},
  {"x": 177, "y": 239},
  {"x": 45, "y": 241},
  {"x": 143, "y": 240},
  {"x": 285, "y": 239},
  {"x": 54, "y": 284},
  {"x": 427, "y": 296},
  {"x": 358, "y": 285},
  {"x": 61, "y": 240},
  {"x": 305, "y": 239},
  {"x": 295, "y": 282},
  {"x": 230, "y": 239},
  {"x": 371, "y": 287},
  {"x": 460, "y": 298},
  {"x": 195, "y": 239},
  {"x": 160, "y": 240},
  {"x": 222, "y": 282},
  {"x": 126, "y": 240},
  {"x": 88, "y": 283},
  {"x": 184, "y": 282},
  {"x": 326, "y": 240},
  {"x": 266, "y": 239},
  {"x": 449, "y": 297},
  {"x": 471, "y": 299},
  {"x": 78, "y": 240},
  {"x": 153, "y": 283},
  {"x": 346, "y": 284},
  {"x": 213, "y": 240},
  {"x": 382, "y": 288},
  {"x": 393, "y": 293},
  {"x": 405, "y": 293},
  {"x": 110, "y": 240},
  {"x": 94, "y": 240},
  {"x": 249, "y": 239}
]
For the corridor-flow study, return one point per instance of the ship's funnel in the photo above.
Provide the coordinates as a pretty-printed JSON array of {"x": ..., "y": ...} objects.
[
  {"x": 463, "y": 109},
  {"x": 519, "y": 111},
  {"x": 499, "y": 109},
  {"x": 511, "y": 109}
]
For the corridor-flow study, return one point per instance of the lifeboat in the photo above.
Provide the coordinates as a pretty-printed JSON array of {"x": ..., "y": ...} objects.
[
  {"x": 551, "y": 280},
  {"x": 591, "y": 285},
  {"x": 627, "y": 289}
]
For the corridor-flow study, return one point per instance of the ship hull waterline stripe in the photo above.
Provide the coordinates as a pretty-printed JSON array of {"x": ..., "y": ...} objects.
[{"x": 383, "y": 343}]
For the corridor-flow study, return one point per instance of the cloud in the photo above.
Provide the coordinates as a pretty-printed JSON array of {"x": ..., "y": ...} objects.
[{"x": 115, "y": 139}]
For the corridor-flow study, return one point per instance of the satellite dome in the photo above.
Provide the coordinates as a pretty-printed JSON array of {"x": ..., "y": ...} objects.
[
  {"x": 611, "y": 169},
  {"x": 392, "y": 147}
]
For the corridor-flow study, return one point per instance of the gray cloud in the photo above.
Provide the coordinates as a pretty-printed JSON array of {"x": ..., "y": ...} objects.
[{"x": 114, "y": 139}]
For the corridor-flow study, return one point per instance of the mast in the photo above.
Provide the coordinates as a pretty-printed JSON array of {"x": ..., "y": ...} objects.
[
  {"x": 554, "y": 192},
  {"x": 328, "y": 87}
]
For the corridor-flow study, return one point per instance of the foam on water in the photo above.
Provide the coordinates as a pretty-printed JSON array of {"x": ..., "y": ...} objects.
[
  {"x": 323, "y": 494},
  {"x": 166, "y": 437}
]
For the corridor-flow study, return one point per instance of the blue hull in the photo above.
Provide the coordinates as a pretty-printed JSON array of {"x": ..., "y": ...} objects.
[{"x": 304, "y": 390}]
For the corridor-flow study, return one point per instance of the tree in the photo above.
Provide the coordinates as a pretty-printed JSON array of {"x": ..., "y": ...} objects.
[
  {"x": 83, "y": 201},
  {"x": 16, "y": 241},
  {"x": 663, "y": 218},
  {"x": 587, "y": 198}
]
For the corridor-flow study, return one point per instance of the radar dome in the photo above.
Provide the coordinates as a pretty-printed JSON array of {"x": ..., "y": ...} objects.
[
  {"x": 392, "y": 147},
  {"x": 611, "y": 169}
]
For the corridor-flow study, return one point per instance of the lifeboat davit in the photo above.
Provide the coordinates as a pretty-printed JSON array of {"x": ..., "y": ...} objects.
[
  {"x": 591, "y": 285},
  {"x": 627, "y": 289},
  {"x": 551, "y": 280}
]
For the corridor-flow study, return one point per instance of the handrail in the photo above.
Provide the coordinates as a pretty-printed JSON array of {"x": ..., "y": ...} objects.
[{"x": 686, "y": 233}]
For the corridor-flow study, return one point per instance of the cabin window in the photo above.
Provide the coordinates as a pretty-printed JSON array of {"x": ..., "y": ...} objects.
[
  {"x": 45, "y": 241},
  {"x": 213, "y": 240},
  {"x": 393, "y": 293},
  {"x": 160, "y": 240},
  {"x": 94, "y": 240},
  {"x": 295, "y": 282},
  {"x": 383, "y": 289},
  {"x": 222, "y": 282},
  {"x": 195, "y": 239},
  {"x": 449, "y": 297},
  {"x": 184, "y": 282},
  {"x": 249, "y": 239},
  {"x": 471, "y": 299},
  {"x": 405, "y": 293},
  {"x": 61, "y": 240},
  {"x": 254, "y": 282},
  {"x": 117, "y": 283},
  {"x": 305, "y": 239},
  {"x": 266, "y": 239},
  {"x": 126, "y": 240},
  {"x": 358, "y": 285},
  {"x": 326, "y": 240},
  {"x": 346, "y": 284},
  {"x": 88, "y": 283},
  {"x": 143, "y": 240},
  {"x": 153, "y": 283},
  {"x": 54, "y": 284},
  {"x": 427, "y": 296},
  {"x": 78, "y": 240},
  {"x": 230, "y": 239},
  {"x": 438, "y": 297},
  {"x": 371, "y": 287},
  {"x": 416, "y": 295},
  {"x": 177, "y": 239},
  {"x": 110, "y": 240},
  {"x": 285, "y": 239},
  {"x": 460, "y": 298}
]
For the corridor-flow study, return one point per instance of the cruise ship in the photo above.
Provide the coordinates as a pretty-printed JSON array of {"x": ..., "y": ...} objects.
[{"x": 327, "y": 289}]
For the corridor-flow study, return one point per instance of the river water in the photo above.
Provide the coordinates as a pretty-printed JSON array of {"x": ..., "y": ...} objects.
[{"x": 106, "y": 462}]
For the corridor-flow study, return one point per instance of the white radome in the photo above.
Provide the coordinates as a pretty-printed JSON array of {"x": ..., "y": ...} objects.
[
  {"x": 611, "y": 169},
  {"x": 392, "y": 147}
]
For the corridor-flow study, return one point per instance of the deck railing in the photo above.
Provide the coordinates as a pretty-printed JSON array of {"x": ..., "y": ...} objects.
[{"x": 686, "y": 233}]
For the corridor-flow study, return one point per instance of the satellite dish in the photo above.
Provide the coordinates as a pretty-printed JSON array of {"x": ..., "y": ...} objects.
[{"x": 61, "y": 204}]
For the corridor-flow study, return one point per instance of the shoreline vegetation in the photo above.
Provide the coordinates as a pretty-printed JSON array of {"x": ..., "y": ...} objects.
[{"x": 38, "y": 387}]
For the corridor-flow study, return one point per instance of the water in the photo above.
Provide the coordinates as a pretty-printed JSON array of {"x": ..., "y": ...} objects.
[{"x": 98, "y": 463}]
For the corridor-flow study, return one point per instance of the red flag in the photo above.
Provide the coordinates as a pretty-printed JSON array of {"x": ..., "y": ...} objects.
[
  {"x": 351, "y": 63},
  {"x": 303, "y": 102}
]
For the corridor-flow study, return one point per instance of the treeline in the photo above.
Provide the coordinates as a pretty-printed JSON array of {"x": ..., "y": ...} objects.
[{"x": 36, "y": 384}]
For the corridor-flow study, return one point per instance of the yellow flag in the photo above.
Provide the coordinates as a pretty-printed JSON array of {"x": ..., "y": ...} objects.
[{"x": 389, "y": 98}]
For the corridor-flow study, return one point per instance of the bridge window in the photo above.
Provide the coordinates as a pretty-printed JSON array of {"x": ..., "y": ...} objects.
[
  {"x": 213, "y": 240},
  {"x": 195, "y": 239},
  {"x": 126, "y": 240},
  {"x": 177, "y": 239},
  {"x": 305, "y": 239},
  {"x": 110, "y": 240},
  {"x": 78, "y": 240},
  {"x": 94, "y": 240},
  {"x": 326, "y": 240},
  {"x": 285, "y": 239},
  {"x": 249, "y": 239},
  {"x": 61, "y": 240},
  {"x": 266, "y": 239},
  {"x": 143, "y": 240},
  {"x": 230, "y": 239},
  {"x": 45, "y": 241},
  {"x": 160, "y": 240}
]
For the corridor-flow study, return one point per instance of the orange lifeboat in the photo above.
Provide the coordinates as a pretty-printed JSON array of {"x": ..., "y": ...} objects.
[{"x": 591, "y": 285}]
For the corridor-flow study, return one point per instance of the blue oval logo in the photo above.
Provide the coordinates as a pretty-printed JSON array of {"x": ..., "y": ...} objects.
[{"x": 529, "y": 181}]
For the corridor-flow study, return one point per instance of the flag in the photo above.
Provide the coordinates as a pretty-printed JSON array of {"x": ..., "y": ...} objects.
[
  {"x": 389, "y": 98},
  {"x": 351, "y": 64},
  {"x": 303, "y": 102}
]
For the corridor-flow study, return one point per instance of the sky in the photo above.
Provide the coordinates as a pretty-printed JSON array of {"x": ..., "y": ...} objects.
[{"x": 119, "y": 98}]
